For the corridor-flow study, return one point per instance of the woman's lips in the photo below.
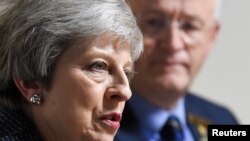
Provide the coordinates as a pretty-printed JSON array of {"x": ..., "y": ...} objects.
[{"x": 112, "y": 120}]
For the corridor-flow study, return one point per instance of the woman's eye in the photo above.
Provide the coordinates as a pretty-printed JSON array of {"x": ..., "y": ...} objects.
[
  {"x": 129, "y": 74},
  {"x": 98, "y": 66}
]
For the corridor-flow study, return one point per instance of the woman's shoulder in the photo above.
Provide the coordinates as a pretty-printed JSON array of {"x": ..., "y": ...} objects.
[{"x": 15, "y": 126}]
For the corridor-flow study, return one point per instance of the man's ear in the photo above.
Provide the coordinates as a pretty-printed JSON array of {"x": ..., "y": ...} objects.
[
  {"x": 215, "y": 31},
  {"x": 28, "y": 89},
  {"x": 213, "y": 35}
]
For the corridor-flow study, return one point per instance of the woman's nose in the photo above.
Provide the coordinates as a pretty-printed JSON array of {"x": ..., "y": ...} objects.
[{"x": 120, "y": 90}]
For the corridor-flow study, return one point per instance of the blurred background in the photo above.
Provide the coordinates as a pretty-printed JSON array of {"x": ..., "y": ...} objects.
[{"x": 225, "y": 77}]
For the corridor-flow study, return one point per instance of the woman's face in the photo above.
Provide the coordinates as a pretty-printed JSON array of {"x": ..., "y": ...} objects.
[{"x": 88, "y": 92}]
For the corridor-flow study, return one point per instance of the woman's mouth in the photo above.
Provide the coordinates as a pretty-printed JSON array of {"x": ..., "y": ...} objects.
[{"x": 112, "y": 120}]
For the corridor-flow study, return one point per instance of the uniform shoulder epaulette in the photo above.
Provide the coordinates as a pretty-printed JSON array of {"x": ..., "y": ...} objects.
[{"x": 201, "y": 124}]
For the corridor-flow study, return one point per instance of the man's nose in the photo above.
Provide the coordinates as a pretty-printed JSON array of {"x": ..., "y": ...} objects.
[
  {"x": 172, "y": 39},
  {"x": 120, "y": 89}
]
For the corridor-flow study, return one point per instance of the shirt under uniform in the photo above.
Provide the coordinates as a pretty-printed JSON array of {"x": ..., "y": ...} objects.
[{"x": 151, "y": 118}]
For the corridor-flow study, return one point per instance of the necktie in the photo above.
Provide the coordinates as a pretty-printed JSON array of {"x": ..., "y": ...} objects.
[{"x": 172, "y": 130}]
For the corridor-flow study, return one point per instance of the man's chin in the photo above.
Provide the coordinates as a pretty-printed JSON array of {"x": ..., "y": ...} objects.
[{"x": 173, "y": 85}]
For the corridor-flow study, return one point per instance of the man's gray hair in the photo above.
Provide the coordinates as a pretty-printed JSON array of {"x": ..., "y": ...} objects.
[{"x": 33, "y": 33}]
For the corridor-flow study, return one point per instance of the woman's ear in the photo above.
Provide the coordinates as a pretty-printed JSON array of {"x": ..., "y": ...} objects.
[{"x": 28, "y": 89}]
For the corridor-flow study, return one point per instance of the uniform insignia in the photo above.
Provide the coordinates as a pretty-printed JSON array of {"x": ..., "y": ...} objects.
[{"x": 201, "y": 125}]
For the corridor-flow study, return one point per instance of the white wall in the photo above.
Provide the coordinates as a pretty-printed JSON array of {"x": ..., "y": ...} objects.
[{"x": 225, "y": 78}]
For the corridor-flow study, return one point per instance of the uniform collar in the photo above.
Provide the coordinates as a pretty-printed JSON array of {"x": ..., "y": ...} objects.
[{"x": 153, "y": 118}]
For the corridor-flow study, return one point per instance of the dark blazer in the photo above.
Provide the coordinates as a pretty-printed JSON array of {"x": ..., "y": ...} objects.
[
  {"x": 199, "y": 113},
  {"x": 15, "y": 126}
]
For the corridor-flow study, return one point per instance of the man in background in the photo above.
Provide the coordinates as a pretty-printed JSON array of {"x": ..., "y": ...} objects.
[{"x": 178, "y": 36}]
